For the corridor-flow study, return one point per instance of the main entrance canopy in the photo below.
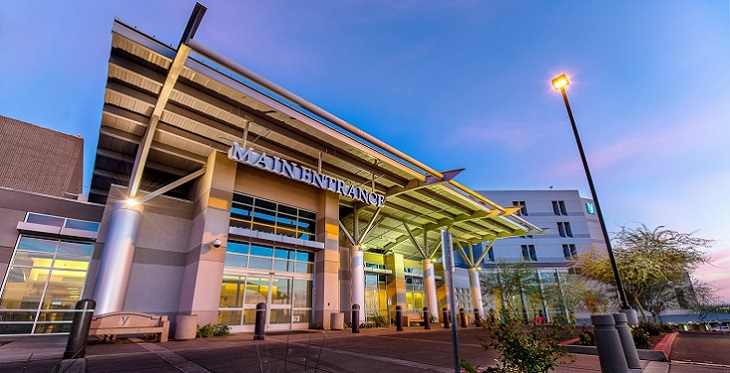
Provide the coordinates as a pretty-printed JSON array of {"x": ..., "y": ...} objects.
[{"x": 165, "y": 111}]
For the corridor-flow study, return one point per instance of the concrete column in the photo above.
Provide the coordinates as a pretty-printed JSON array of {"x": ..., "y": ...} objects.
[
  {"x": 327, "y": 262},
  {"x": 357, "y": 282},
  {"x": 476, "y": 290},
  {"x": 396, "y": 281},
  {"x": 115, "y": 264},
  {"x": 203, "y": 274},
  {"x": 429, "y": 283}
]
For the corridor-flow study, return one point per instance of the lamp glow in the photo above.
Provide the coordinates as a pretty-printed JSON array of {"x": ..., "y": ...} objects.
[
  {"x": 131, "y": 202},
  {"x": 560, "y": 82}
]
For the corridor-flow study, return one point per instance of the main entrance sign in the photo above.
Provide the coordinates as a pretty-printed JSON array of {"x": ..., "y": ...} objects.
[{"x": 302, "y": 174}]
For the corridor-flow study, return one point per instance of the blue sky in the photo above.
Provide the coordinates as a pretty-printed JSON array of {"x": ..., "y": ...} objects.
[{"x": 454, "y": 84}]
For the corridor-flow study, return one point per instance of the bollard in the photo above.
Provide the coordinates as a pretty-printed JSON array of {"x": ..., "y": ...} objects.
[
  {"x": 631, "y": 317},
  {"x": 462, "y": 317},
  {"x": 258, "y": 332},
  {"x": 610, "y": 353},
  {"x": 399, "y": 318},
  {"x": 356, "y": 318},
  {"x": 477, "y": 318},
  {"x": 76, "y": 345},
  {"x": 627, "y": 341},
  {"x": 426, "y": 319},
  {"x": 445, "y": 312}
]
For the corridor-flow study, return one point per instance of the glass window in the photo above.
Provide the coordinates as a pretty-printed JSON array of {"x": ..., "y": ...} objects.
[
  {"x": 281, "y": 291},
  {"x": 53, "y": 221},
  {"x": 283, "y": 253},
  {"x": 257, "y": 290},
  {"x": 259, "y": 263},
  {"x": 230, "y": 317},
  {"x": 236, "y": 260},
  {"x": 261, "y": 250},
  {"x": 75, "y": 249},
  {"x": 44, "y": 274},
  {"x": 237, "y": 247},
  {"x": 304, "y": 256},
  {"x": 37, "y": 244},
  {"x": 242, "y": 198},
  {"x": 232, "y": 289},
  {"x": 271, "y": 217},
  {"x": 82, "y": 225},
  {"x": 265, "y": 204}
]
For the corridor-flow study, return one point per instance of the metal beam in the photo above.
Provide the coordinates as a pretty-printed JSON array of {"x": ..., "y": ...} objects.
[
  {"x": 462, "y": 254},
  {"x": 413, "y": 240},
  {"x": 486, "y": 250},
  {"x": 347, "y": 234},
  {"x": 178, "y": 63},
  {"x": 370, "y": 226},
  {"x": 173, "y": 185}
]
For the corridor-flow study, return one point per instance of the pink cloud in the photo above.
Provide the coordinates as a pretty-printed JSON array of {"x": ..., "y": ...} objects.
[{"x": 651, "y": 141}]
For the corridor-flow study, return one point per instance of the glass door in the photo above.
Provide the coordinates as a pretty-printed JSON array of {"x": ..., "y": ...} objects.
[{"x": 280, "y": 302}]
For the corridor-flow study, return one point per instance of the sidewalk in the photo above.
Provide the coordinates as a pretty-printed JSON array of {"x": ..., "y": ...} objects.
[{"x": 374, "y": 350}]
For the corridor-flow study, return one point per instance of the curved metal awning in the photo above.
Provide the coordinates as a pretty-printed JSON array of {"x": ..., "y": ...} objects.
[{"x": 206, "y": 108}]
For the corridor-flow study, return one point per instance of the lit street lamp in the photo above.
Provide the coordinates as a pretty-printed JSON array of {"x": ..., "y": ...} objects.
[{"x": 559, "y": 84}]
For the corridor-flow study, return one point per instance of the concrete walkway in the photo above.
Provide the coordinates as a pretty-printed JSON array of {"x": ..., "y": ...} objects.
[{"x": 373, "y": 350}]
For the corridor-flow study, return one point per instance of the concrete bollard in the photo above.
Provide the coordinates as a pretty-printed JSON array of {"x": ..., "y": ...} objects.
[
  {"x": 477, "y": 318},
  {"x": 610, "y": 353},
  {"x": 631, "y": 317},
  {"x": 426, "y": 318},
  {"x": 462, "y": 317},
  {"x": 260, "y": 326},
  {"x": 356, "y": 318},
  {"x": 627, "y": 341},
  {"x": 399, "y": 318},
  {"x": 76, "y": 345},
  {"x": 445, "y": 314}
]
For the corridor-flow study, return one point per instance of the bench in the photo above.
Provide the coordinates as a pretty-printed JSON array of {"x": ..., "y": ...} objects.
[
  {"x": 111, "y": 324},
  {"x": 412, "y": 317}
]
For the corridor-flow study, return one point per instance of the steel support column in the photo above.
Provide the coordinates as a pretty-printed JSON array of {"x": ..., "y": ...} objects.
[
  {"x": 476, "y": 290},
  {"x": 357, "y": 279},
  {"x": 429, "y": 283},
  {"x": 115, "y": 265}
]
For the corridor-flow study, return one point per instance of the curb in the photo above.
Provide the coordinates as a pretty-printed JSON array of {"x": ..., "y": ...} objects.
[{"x": 665, "y": 345}]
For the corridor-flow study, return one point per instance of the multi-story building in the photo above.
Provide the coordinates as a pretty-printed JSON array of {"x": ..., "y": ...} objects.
[
  {"x": 215, "y": 190},
  {"x": 570, "y": 226}
]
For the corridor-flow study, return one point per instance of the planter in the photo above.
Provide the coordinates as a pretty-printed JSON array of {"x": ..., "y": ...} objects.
[
  {"x": 337, "y": 320},
  {"x": 185, "y": 327}
]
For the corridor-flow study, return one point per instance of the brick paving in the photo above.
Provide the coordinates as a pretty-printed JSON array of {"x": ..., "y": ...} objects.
[{"x": 374, "y": 350}]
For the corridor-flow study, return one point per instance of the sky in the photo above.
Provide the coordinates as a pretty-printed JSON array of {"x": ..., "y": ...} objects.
[{"x": 452, "y": 83}]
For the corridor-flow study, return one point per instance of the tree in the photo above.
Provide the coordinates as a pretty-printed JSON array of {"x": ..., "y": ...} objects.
[
  {"x": 512, "y": 286},
  {"x": 653, "y": 263}
]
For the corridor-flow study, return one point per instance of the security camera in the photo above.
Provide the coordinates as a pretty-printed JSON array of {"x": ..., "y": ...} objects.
[{"x": 216, "y": 243}]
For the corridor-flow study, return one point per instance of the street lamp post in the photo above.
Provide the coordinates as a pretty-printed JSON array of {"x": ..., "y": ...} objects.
[{"x": 559, "y": 84}]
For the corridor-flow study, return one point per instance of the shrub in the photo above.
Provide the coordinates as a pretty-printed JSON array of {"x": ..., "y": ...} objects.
[
  {"x": 525, "y": 347},
  {"x": 212, "y": 330},
  {"x": 650, "y": 327},
  {"x": 317, "y": 325},
  {"x": 378, "y": 320},
  {"x": 587, "y": 338},
  {"x": 641, "y": 337}
]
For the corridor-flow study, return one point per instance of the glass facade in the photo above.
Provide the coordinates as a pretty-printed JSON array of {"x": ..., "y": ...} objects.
[
  {"x": 376, "y": 295},
  {"x": 268, "y": 258},
  {"x": 266, "y": 216},
  {"x": 288, "y": 300},
  {"x": 44, "y": 281},
  {"x": 414, "y": 294}
]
